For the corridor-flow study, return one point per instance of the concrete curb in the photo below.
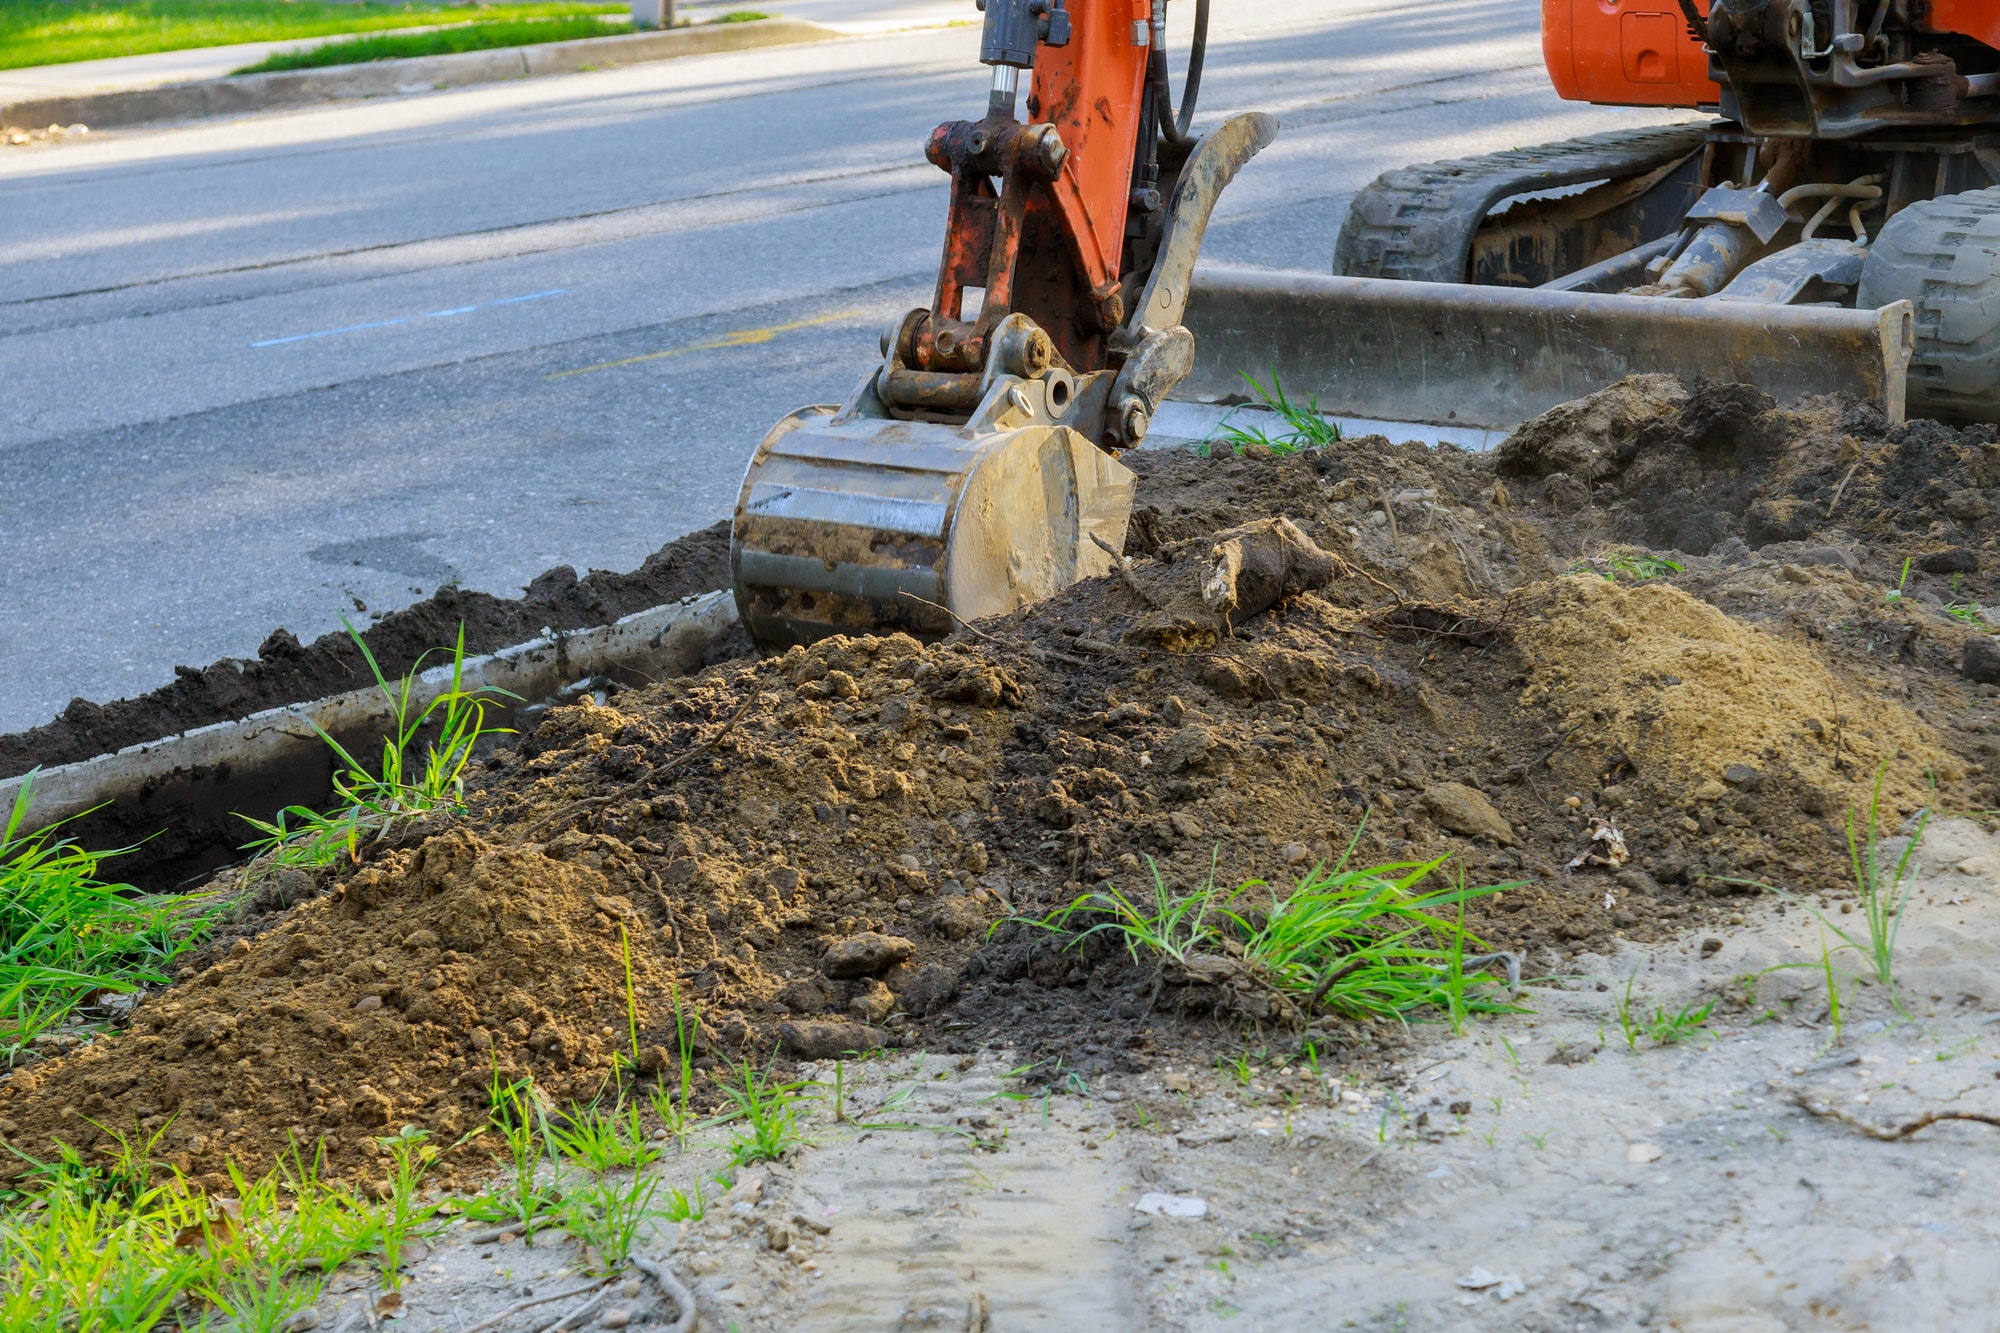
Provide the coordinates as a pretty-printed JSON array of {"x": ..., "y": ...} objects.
[
  {"x": 173, "y": 800},
  {"x": 389, "y": 78}
]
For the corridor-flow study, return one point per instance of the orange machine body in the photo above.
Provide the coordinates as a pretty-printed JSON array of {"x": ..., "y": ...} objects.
[
  {"x": 1045, "y": 237},
  {"x": 1640, "y": 53},
  {"x": 1636, "y": 53}
]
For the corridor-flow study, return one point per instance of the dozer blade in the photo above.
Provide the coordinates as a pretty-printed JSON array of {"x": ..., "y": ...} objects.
[
  {"x": 1492, "y": 357},
  {"x": 859, "y": 524}
]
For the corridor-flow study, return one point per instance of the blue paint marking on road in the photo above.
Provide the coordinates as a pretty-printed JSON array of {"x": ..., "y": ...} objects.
[
  {"x": 328, "y": 333},
  {"x": 390, "y": 323}
]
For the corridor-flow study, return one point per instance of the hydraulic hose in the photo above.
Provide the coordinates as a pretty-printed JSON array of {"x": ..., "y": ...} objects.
[{"x": 1174, "y": 128}]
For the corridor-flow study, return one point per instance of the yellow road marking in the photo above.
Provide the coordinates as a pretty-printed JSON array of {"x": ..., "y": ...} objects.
[{"x": 740, "y": 338}]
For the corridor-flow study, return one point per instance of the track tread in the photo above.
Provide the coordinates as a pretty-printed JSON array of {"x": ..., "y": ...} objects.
[
  {"x": 1943, "y": 256},
  {"x": 1416, "y": 223}
]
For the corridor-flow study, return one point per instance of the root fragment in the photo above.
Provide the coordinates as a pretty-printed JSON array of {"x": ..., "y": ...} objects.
[
  {"x": 682, "y": 1298},
  {"x": 1888, "y": 1133},
  {"x": 529, "y": 1304}
]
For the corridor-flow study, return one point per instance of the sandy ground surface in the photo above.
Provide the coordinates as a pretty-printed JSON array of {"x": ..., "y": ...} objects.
[{"x": 1533, "y": 1173}]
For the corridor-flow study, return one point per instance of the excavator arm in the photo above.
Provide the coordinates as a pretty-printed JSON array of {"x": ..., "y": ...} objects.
[{"x": 974, "y": 470}]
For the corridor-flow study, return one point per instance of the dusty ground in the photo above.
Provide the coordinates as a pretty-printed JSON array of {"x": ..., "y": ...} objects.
[
  {"x": 1596, "y": 1187},
  {"x": 1671, "y": 615}
]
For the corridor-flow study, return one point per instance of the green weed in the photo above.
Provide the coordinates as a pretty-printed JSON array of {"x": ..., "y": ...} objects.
[
  {"x": 404, "y": 1216},
  {"x": 608, "y": 1217},
  {"x": 1628, "y": 1021},
  {"x": 370, "y": 804},
  {"x": 1666, "y": 1029},
  {"x": 1307, "y": 428},
  {"x": 1895, "y": 594},
  {"x": 1834, "y": 1003},
  {"x": 671, "y": 1104},
  {"x": 66, "y": 935},
  {"x": 769, "y": 1112},
  {"x": 127, "y": 1244},
  {"x": 1360, "y": 943},
  {"x": 601, "y": 1140},
  {"x": 1671, "y": 1029},
  {"x": 1884, "y": 894},
  {"x": 519, "y": 1198},
  {"x": 1629, "y": 564}
]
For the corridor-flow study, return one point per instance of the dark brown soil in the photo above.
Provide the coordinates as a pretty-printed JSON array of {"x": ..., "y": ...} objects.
[
  {"x": 1471, "y": 681},
  {"x": 286, "y": 671}
]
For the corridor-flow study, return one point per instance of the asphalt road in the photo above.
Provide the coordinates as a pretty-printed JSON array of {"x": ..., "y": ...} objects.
[{"x": 264, "y": 372}]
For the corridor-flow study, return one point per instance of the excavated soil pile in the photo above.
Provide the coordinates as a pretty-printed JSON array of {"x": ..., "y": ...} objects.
[
  {"x": 814, "y": 848},
  {"x": 286, "y": 671}
]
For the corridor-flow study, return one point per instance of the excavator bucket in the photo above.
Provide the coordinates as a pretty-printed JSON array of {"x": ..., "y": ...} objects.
[
  {"x": 934, "y": 497},
  {"x": 852, "y": 524},
  {"x": 1453, "y": 354}
]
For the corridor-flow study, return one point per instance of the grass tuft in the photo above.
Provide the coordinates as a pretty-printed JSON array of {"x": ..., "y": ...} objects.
[
  {"x": 369, "y": 804},
  {"x": 68, "y": 936},
  {"x": 458, "y": 37},
  {"x": 1306, "y": 428},
  {"x": 1360, "y": 943},
  {"x": 770, "y": 1114}
]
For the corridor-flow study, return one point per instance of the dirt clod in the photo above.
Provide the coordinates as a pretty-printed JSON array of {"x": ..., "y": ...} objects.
[
  {"x": 866, "y": 955},
  {"x": 1460, "y": 809}
]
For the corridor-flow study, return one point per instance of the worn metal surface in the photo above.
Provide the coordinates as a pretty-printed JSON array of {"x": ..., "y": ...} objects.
[
  {"x": 852, "y": 523},
  {"x": 1494, "y": 356}
]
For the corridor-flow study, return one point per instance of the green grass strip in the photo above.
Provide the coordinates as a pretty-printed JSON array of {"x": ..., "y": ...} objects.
[
  {"x": 439, "y": 42},
  {"x": 57, "y": 32}
]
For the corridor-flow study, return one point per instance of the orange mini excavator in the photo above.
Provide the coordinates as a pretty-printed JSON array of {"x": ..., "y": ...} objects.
[
  {"x": 1832, "y": 225},
  {"x": 975, "y": 468}
]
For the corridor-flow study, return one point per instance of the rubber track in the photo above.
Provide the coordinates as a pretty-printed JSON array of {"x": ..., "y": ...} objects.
[{"x": 1417, "y": 223}]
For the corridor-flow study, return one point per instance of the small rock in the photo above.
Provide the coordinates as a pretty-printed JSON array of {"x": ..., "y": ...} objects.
[
  {"x": 1981, "y": 663},
  {"x": 1794, "y": 574},
  {"x": 1643, "y": 1152},
  {"x": 616, "y": 1317},
  {"x": 420, "y": 939},
  {"x": 1710, "y": 790},
  {"x": 1711, "y": 947},
  {"x": 1459, "y": 808},
  {"x": 631, "y": 1289},
  {"x": 867, "y": 954},
  {"x": 1827, "y": 555},
  {"x": 367, "y": 1004},
  {"x": 301, "y": 1322},
  {"x": 1744, "y": 776},
  {"x": 779, "y": 1237},
  {"x": 828, "y": 1040},
  {"x": 1172, "y": 1205},
  {"x": 1951, "y": 560},
  {"x": 1296, "y": 852},
  {"x": 1176, "y": 1082}
]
